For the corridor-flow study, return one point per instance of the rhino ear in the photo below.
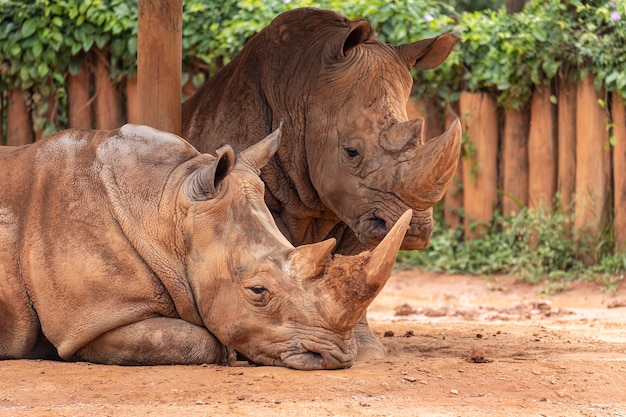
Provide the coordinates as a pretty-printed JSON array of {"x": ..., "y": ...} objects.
[
  {"x": 360, "y": 31},
  {"x": 202, "y": 184},
  {"x": 341, "y": 44},
  {"x": 258, "y": 154},
  {"x": 427, "y": 53}
]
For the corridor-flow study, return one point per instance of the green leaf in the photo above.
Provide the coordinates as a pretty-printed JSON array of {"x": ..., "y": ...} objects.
[
  {"x": 37, "y": 49},
  {"x": 42, "y": 69},
  {"x": 29, "y": 27}
]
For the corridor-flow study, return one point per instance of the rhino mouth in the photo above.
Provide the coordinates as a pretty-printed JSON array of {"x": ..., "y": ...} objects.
[
  {"x": 300, "y": 358},
  {"x": 372, "y": 229},
  {"x": 310, "y": 360}
]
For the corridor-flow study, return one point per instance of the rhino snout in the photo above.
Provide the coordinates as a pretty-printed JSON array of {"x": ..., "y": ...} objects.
[{"x": 372, "y": 229}]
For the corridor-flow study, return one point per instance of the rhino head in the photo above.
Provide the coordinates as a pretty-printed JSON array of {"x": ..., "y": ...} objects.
[
  {"x": 373, "y": 163},
  {"x": 274, "y": 303},
  {"x": 367, "y": 162}
]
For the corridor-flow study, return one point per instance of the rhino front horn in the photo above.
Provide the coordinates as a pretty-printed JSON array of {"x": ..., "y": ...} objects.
[
  {"x": 424, "y": 179},
  {"x": 354, "y": 281}
]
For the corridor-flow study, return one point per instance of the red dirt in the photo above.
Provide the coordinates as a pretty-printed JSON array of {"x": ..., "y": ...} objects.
[{"x": 457, "y": 345}]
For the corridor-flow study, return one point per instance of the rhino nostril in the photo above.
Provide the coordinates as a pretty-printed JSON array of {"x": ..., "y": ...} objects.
[{"x": 378, "y": 226}]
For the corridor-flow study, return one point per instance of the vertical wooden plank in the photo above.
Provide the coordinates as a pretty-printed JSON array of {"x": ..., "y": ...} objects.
[
  {"x": 159, "y": 64},
  {"x": 78, "y": 98},
  {"x": 132, "y": 107},
  {"x": 108, "y": 102},
  {"x": 479, "y": 115},
  {"x": 1, "y": 118},
  {"x": 541, "y": 151},
  {"x": 566, "y": 148},
  {"x": 453, "y": 200},
  {"x": 618, "y": 111},
  {"x": 515, "y": 161},
  {"x": 19, "y": 124},
  {"x": 592, "y": 161}
]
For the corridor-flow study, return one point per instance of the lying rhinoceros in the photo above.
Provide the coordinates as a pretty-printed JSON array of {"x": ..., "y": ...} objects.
[
  {"x": 131, "y": 247},
  {"x": 349, "y": 163}
]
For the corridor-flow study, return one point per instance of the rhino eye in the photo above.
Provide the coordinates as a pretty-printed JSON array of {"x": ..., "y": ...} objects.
[
  {"x": 352, "y": 153},
  {"x": 258, "y": 290}
]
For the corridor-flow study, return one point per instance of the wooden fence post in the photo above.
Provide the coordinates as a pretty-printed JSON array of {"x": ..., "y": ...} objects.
[
  {"x": 108, "y": 103},
  {"x": 618, "y": 111},
  {"x": 515, "y": 161},
  {"x": 592, "y": 161},
  {"x": 132, "y": 107},
  {"x": 159, "y": 63},
  {"x": 1, "y": 118},
  {"x": 78, "y": 98},
  {"x": 479, "y": 115},
  {"x": 566, "y": 149},
  {"x": 541, "y": 151},
  {"x": 19, "y": 123},
  {"x": 453, "y": 200}
]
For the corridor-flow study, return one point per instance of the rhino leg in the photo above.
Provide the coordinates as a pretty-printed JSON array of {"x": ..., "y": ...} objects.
[
  {"x": 369, "y": 347},
  {"x": 156, "y": 341}
]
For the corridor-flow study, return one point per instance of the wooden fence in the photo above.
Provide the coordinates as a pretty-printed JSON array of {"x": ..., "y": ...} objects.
[
  {"x": 572, "y": 153},
  {"x": 575, "y": 149}
]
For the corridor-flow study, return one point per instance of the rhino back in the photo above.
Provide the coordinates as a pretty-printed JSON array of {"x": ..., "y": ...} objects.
[{"x": 79, "y": 270}]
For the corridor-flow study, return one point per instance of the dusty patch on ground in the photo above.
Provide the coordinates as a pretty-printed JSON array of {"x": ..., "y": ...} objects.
[{"x": 457, "y": 346}]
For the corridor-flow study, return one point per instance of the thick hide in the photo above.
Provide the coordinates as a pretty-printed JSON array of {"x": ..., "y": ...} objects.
[
  {"x": 131, "y": 247},
  {"x": 350, "y": 163}
]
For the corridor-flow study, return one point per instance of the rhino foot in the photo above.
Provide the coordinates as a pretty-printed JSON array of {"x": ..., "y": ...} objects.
[{"x": 369, "y": 347}]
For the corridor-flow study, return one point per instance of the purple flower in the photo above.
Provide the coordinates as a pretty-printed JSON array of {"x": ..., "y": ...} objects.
[
  {"x": 286, "y": 1},
  {"x": 428, "y": 17},
  {"x": 611, "y": 3},
  {"x": 615, "y": 16}
]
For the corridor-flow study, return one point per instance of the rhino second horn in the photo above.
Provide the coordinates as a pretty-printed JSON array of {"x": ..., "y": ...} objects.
[{"x": 310, "y": 261}]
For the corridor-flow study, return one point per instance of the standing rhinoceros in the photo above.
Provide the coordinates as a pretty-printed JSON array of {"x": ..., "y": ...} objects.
[
  {"x": 131, "y": 247},
  {"x": 349, "y": 163}
]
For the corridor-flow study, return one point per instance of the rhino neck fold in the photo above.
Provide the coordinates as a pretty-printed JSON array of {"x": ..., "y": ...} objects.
[{"x": 148, "y": 222}]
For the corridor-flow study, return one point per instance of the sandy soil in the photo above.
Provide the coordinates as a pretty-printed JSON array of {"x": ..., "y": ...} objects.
[{"x": 457, "y": 346}]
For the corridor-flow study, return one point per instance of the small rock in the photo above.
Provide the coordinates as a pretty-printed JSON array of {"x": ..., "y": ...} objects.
[
  {"x": 389, "y": 333},
  {"x": 454, "y": 391}
]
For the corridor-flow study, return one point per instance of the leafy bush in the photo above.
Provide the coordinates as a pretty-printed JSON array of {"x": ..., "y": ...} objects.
[{"x": 533, "y": 245}]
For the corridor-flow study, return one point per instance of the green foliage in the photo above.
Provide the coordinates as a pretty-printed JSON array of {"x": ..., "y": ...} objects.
[
  {"x": 43, "y": 40},
  {"x": 533, "y": 245}
]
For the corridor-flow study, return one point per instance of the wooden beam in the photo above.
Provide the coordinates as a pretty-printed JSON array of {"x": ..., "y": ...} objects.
[{"x": 159, "y": 64}]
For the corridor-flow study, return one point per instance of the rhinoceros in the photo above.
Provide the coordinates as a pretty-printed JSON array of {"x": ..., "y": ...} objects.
[
  {"x": 131, "y": 247},
  {"x": 350, "y": 163}
]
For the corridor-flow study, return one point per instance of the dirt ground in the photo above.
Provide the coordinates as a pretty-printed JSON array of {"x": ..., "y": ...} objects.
[{"x": 457, "y": 346}]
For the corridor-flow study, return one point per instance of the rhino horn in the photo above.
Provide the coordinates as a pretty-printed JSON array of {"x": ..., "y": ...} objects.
[
  {"x": 310, "y": 261},
  {"x": 354, "y": 281},
  {"x": 424, "y": 178},
  {"x": 427, "y": 53},
  {"x": 402, "y": 135},
  {"x": 260, "y": 153}
]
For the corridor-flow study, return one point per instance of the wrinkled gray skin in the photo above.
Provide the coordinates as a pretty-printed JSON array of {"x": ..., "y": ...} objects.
[
  {"x": 350, "y": 163},
  {"x": 131, "y": 247}
]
